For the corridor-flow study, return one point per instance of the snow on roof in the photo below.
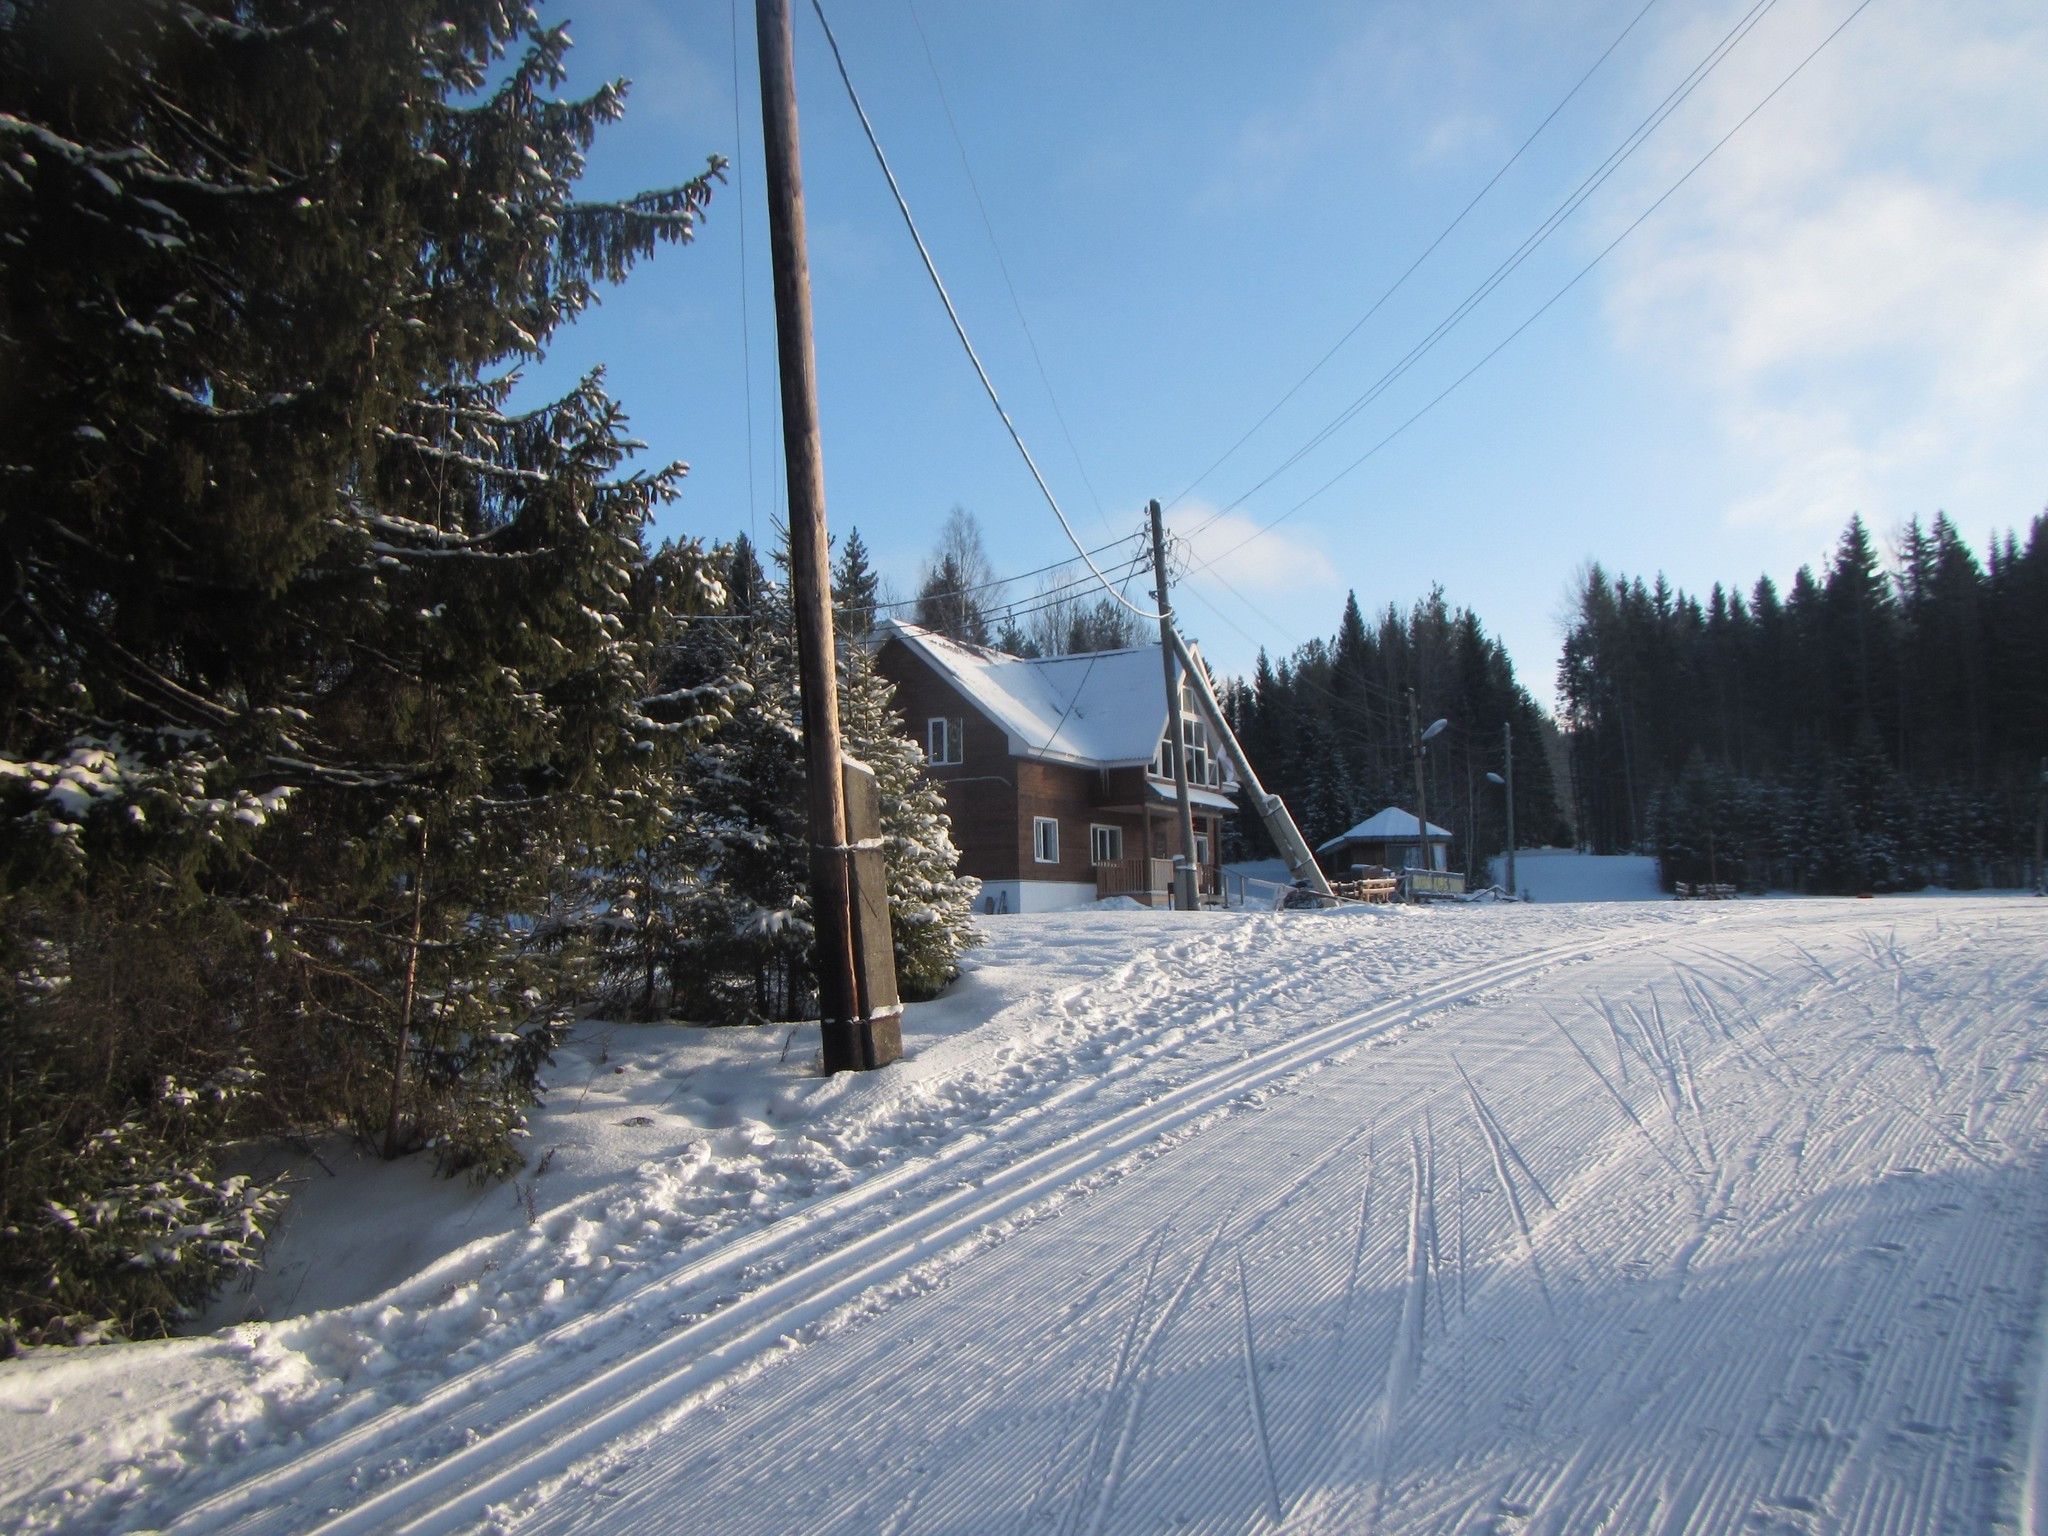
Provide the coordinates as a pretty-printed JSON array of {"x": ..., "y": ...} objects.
[
  {"x": 1104, "y": 710},
  {"x": 1390, "y": 825}
]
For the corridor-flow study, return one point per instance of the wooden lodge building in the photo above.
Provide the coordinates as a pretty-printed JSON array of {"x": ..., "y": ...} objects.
[{"x": 1056, "y": 770}]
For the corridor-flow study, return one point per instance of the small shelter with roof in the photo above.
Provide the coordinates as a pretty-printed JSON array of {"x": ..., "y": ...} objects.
[
  {"x": 1387, "y": 840},
  {"x": 1057, "y": 770}
]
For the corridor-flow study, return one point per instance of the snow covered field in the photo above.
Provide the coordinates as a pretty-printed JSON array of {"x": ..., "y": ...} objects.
[{"x": 1634, "y": 1217}]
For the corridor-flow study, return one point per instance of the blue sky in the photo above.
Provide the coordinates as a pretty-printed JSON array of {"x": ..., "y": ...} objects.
[{"x": 1844, "y": 310}]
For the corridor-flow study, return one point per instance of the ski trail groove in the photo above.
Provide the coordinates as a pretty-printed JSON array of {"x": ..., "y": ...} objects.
[
  {"x": 1252, "y": 1394},
  {"x": 1134, "y": 1389}
]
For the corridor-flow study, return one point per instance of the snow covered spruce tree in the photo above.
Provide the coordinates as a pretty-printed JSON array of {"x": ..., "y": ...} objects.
[
  {"x": 711, "y": 920},
  {"x": 931, "y": 903},
  {"x": 318, "y": 664}
]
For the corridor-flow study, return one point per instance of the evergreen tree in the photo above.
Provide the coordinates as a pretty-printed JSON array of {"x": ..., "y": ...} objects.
[
  {"x": 319, "y": 663},
  {"x": 931, "y": 903},
  {"x": 710, "y": 918},
  {"x": 1882, "y": 728},
  {"x": 856, "y": 590}
]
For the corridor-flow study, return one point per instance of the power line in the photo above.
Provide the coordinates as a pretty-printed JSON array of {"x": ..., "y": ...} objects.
[
  {"x": 1547, "y": 303},
  {"x": 1428, "y": 251},
  {"x": 1592, "y": 182},
  {"x": 1004, "y": 581},
  {"x": 959, "y": 329}
]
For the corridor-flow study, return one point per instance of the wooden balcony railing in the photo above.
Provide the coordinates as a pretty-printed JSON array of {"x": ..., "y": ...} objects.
[{"x": 1149, "y": 880}]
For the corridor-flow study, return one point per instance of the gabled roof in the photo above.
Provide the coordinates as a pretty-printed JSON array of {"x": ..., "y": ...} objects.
[
  {"x": 1103, "y": 710},
  {"x": 1392, "y": 825}
]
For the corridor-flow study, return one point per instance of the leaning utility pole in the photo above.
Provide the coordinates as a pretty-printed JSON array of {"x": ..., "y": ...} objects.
[
  {"x": 850, "y": 1041},
  {"x": 1187, "y": 889},
  {"x": 1271, "y": 808}
]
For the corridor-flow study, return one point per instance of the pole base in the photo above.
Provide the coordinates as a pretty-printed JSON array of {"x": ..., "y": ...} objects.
[{"x": 861, "y": 1045}]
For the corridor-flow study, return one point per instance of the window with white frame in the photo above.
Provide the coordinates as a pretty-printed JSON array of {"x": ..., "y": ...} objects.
[
  {"x": 1201, "y": 769},
  {"x": 1205, "y": 765},
  {"x": 1045, "y": 840},
  {"x": 944, "y": 740},
  {"x": 1201, "y": 848},
  {"x": 1105, "y": 844}
]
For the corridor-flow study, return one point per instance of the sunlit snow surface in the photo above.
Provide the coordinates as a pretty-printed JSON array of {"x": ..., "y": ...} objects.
[{"x": 1629, "y": 1217}]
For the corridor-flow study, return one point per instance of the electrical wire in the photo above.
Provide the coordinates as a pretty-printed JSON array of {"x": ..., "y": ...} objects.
[
  {"x": 1427, "y": 252},
  {"x": 1043, "y": 601},
  {"x": 959, "y": 329},
  {"x": 1004, "y": 581},
  {"x": 1592, "y": 182},
  {"x": 1502, "y": 345}
]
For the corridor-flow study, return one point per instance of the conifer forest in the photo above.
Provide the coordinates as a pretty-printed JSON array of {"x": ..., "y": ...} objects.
[{"x": 1882, "y": 725}]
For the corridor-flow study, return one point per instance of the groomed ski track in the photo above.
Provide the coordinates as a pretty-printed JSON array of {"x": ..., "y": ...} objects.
[{"x": 1692, "y": 1219}]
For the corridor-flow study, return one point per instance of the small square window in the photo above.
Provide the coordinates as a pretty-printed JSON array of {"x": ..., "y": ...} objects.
[
  {"x": 945, "y": 740},
  {"x": 1045, "y": 840},
  {"x": 1106, "y": 844}
]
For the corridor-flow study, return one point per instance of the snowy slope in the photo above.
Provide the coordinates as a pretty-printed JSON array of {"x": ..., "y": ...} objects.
[
  {"x": 1565, "y": 874},
  {"x": 1673, "y": 1216}
]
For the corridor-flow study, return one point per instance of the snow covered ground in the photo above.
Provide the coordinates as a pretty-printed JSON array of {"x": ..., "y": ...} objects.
[{"x": 1641, "y": 1216}]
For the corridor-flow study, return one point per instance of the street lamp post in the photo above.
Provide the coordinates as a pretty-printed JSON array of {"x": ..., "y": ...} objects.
[
  {"x": 1422, "y": 740},
  {"x": 1507, "y": 736}
]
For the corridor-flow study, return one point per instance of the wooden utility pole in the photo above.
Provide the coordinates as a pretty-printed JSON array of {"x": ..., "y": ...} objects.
[
  {"x": 1187, "y": 889},
  {"x": 1507, "y": 736},
  {"x": 850, "y": 1044}
]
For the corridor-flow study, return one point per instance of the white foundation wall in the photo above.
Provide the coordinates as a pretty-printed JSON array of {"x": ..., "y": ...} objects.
[{"x": 1033, "y": 896}]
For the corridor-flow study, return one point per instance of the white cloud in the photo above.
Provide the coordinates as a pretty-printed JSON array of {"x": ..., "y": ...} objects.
[
  {"x": 1231, "y": 546},
  {"x": 1858, "y": 284}
]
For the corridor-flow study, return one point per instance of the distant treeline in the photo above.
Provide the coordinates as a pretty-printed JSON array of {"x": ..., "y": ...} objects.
[
  {"x": 1871, "y": 729},
  {"x": 1329, "y": 730}
]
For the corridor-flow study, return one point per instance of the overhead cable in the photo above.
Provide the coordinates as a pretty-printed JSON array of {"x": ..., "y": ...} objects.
[
  {"x": 1004, "y": 581},
  {"x": 1501, "y": 346},
  {"x": 959, "y": 329},
  {"x": 1592, "y": 183},
  {"x": 1428, "y": 251}
]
